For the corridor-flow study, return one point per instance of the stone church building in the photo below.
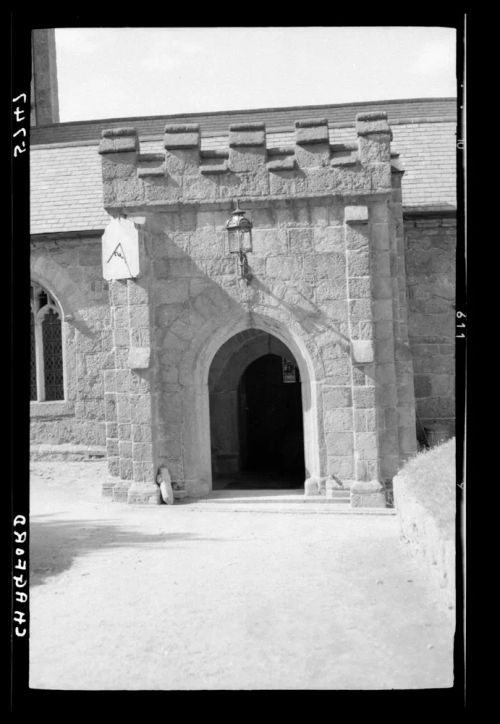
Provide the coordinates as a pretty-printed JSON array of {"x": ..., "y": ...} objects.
[{"x": 261, "y": 297}]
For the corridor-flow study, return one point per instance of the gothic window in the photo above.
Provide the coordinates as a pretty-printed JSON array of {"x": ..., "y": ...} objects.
[
  {"x": 33, "y": 390},
  {"x": 46, "y": 368}
]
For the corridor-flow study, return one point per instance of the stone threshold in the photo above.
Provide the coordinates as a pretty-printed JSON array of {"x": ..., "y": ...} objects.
[
  {"x": 266, "y": 497},
  {"x": 283, "y": 507},
  {"x": 277, "y": 501}
]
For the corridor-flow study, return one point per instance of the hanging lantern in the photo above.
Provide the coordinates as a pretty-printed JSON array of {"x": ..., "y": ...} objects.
[{"x": 239, "y": 232}]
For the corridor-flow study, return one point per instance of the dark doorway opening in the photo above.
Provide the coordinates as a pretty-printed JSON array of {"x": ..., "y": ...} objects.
[
  {"x": 256, "y": 416},
  {"x": 271, "y": 436},
  {"x": 270, "y": 425}
]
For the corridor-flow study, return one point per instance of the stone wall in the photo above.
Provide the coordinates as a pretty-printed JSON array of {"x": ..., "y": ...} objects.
[
  {"x": 425, "y": 501},
  {"x": 71, "y": 270},
  {"x": 430, "y": 270}
]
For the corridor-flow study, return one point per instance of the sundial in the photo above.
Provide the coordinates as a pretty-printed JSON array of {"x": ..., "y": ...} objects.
[{"x": 120, "y": 250}]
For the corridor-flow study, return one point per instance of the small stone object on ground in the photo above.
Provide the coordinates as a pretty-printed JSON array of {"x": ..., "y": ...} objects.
[{"x": 164, "y": 481}]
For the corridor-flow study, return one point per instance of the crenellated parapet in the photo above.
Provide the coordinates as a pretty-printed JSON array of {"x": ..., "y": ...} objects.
[{"x": 249, "y": 168}]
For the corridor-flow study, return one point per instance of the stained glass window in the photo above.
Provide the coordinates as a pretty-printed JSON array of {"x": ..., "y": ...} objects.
[
  {"x": 33, "y": 391},
  {"x": 52, "y": 356},
  {"x": 46, "y": 369}
]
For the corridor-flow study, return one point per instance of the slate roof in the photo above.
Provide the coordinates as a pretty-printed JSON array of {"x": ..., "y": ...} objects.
[{"x": 66, "y": 185}]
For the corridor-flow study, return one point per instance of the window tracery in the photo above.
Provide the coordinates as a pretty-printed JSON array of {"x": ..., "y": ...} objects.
[{"x": 46, "y": 362}]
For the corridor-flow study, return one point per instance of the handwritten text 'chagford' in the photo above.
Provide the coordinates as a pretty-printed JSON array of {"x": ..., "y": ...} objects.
[{"x": 21, "y": 580}]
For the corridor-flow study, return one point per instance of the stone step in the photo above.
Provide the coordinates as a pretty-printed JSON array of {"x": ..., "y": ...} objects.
[
  {"x": 336, "y": 493},
  {"x": 286, "y": 501},
  {"x": 260, "y": 497},
  {"x": 290, "y": 500},
  {"x": 283, "y": 508}
]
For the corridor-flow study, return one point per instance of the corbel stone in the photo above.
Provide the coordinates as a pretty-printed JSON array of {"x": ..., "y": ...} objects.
[
  {"x": 182, "y": 136},
  {"x": 374, "y": 137},
  {"x": 150, "y": 164},
  {"x": 372, "y": 122},
  {"x": 281, "y": 164},
  {"x": 312, "y": 142},
  {"x": 120, "y": 149},
  {"x": 281, "y": 158},
  {"x": 247, "y": 147},
  {"x": 214, "y": 161},
  {"x": 356, "y": 214},
  {"x": 312, "y": 130},
  {"x": 119, "y": 140},
  {"x": 344, "y": 161},
  {"x": 247, "y": 134},
  {"x": 214, "y": 168},
  {"x": 182, "y": 144}
]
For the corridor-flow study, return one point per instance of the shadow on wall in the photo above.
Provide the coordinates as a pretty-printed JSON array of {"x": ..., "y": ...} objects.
[
  {"x": 55, "y": 545},
  {"x": 307, "y": 313},
  {"x": 216, "y": 294}
]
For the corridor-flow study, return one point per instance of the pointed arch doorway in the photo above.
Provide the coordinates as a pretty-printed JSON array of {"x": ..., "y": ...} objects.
[{"x": 256, "y": 415}]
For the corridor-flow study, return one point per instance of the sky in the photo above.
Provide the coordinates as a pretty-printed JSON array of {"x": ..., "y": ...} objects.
[{"x": 120, "y": 72}]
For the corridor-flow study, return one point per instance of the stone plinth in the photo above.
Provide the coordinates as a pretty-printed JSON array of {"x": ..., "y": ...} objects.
[{"x": 367, "y": 495}]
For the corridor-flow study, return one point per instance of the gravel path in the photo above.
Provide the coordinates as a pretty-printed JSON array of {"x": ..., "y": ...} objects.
[{"x": 168, "y": 597}]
